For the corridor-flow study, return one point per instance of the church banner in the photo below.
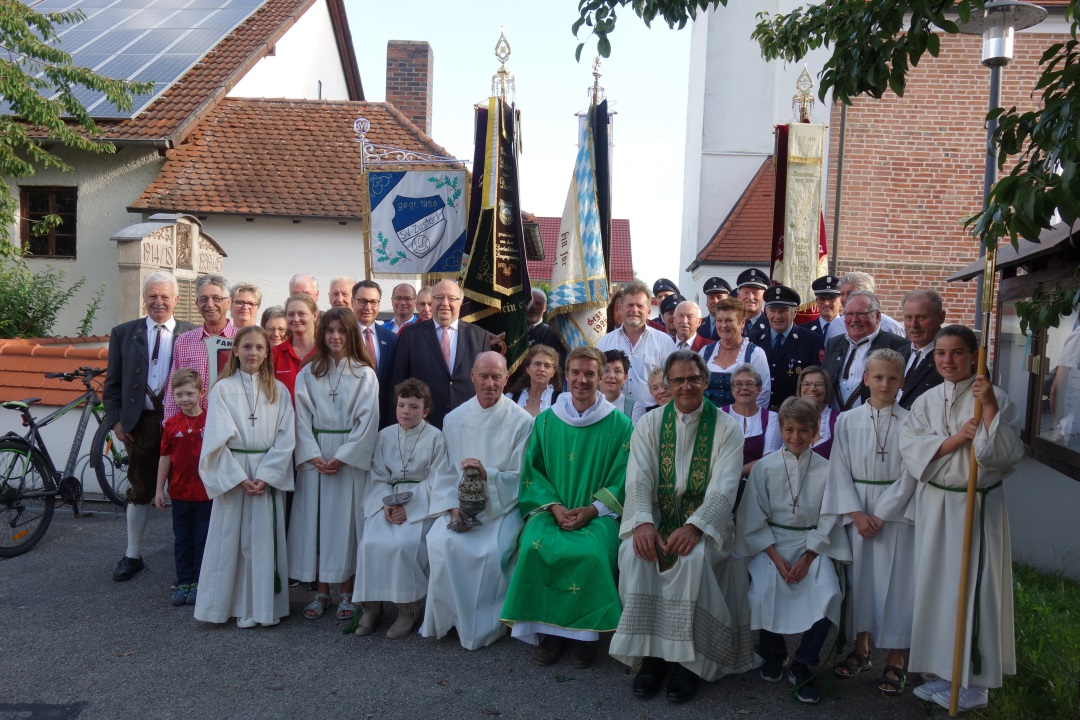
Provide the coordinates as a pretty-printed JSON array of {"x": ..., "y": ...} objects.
[
  {"x": 418, "y": 222},
  {"x": 579, "y": 290},
  {"x": 799, "y": 252}
]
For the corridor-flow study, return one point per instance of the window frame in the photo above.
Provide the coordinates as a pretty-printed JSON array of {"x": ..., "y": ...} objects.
[{"x": 26, "y": 233}]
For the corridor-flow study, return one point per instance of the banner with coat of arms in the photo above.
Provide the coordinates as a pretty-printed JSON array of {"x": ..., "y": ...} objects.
[{"x": 418, "y": 222}]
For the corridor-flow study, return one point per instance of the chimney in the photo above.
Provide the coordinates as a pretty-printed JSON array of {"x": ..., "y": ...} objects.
[{"x": 408, "y": 80}]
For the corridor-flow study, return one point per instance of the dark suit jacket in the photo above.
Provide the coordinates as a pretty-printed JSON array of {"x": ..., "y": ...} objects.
[
  {"x": 419, "y": 355},
  {"x": 707, "y": 329},
  {"x": 124, "y": 390},
  {"x": 800, "y": 349},
  {"x": 923, "y": 377},
  {"x": 819, "y": 326},
  {"x": 836, "y": 351},
  {"x": 387, "y": 340}
]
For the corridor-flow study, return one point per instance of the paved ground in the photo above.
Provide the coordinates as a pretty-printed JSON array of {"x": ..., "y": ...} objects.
[{"x": 75, "y": 644}]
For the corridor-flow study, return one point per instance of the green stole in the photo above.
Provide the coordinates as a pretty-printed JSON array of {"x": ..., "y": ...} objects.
[{"x": 673, "y": 513}]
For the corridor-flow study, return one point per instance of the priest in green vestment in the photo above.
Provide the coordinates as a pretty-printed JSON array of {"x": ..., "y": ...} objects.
[{"x": 571, "y": 496}]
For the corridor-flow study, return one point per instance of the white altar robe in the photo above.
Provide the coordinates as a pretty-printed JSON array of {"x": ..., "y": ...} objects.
[
  {"x": 696, "y": 612},
  {"x": 766, "y": 518},
  {"x": 470, "y": 572},
  {"x": 327, "y": 511},
  {"x": 880, "y": 597},
  {"x": 392, "y": 562},
  {"x": 939, "y": 524},
  {"x": 239, "y": 562}
]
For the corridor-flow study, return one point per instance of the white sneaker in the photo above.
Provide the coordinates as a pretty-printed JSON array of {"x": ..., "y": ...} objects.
[
  {"x": 245, "y": 623},
  {"x": 927, "y": 690},
  {"x": 971, "y": 698}
]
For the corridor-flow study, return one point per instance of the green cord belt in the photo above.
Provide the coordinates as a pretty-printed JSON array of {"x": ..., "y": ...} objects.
[
  {"x": 873, "y": 482},
  {"x": 250, "y": 452},
  {"x": 320, "y": 431}
]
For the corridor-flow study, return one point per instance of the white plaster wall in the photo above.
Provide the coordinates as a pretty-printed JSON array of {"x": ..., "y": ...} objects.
[
  {"x": 107, "y": 184},
  {"x": 695, "y": 119},
  {"x": 306, "y": 54},
  {"x": 1042, "y": 518}
]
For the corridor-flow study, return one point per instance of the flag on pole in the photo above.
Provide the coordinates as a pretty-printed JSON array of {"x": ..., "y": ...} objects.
[
  {"x": 579, "y": 279},
  {"x": 496, "y": 279}
]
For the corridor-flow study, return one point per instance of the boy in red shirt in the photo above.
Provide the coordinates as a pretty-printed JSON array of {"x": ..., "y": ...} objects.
[{"x": 181, "y": 444}]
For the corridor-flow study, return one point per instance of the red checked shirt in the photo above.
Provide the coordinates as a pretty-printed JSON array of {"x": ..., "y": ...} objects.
[
  {"x": 189, "y": 351},
  {"x": 181, "y": 440},
  {"x": 287, "y": 365}
]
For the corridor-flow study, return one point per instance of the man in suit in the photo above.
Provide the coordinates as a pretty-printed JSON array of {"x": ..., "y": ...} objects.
[
  {"x": 140, "y": 355},
  {"x": 845, "y": 355},
  {"x": 381, "y": 344},
  {"x": 441, "y": 352},
  {"x": 687, "y": 320},
  {"x": 788, "y": 349},
  {"x": 924, "y": 314},
  {"x": 827, "y": 292},
  {"x": 715, "y": 289},
  {"x": 751, "y": 286}
]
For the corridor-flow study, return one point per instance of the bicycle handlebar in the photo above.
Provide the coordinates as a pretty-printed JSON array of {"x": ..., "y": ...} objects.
[{"x": 87, "y": 373}]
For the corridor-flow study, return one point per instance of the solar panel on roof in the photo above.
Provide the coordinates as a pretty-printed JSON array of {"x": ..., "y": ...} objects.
[{"x": 143, "y": 40}]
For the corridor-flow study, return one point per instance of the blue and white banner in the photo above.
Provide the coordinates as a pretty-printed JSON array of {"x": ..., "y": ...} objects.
[
  {"x": 418, "y": 221},
  {"x": 579, "y": 290}
]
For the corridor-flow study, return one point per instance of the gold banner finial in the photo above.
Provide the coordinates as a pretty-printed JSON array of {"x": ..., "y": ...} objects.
[
  {"x": 596, "y": 92},
  {"x": 502, "y": 82},
  {"x": 802, "y": 103}
]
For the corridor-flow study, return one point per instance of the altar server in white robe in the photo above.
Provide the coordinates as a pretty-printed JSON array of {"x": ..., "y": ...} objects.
[
  {"x": 337, "y": 422},
  {"x": 936, "y": 444},
  {"x": 794, "y": 586},
  {"x": 684, "y": 597},
  {"x": 869, "y": 494},
  {"x": 470, "y": 570},
  {"x": 246, "y": 466},
  {"x": 392, "y": 560}
]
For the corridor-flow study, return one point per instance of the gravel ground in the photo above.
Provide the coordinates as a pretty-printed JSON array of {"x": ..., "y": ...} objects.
[{"x": 75, "y": 644}]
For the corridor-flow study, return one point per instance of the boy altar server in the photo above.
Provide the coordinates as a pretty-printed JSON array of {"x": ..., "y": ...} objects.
[
  {"x": 469, "y": 572},
  {"x": 684, "y": 598}
]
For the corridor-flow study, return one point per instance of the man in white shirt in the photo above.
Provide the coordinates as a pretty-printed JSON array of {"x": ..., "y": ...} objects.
[
  {"x": 853, "y": 282},
  {"x": 924, "y": 314},
  {"x": 646, "y": 346},
  {"x": 845, "y": 355}
]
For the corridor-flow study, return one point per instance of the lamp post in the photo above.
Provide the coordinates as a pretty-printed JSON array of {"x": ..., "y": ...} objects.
[{"x": 997, "y": 22}]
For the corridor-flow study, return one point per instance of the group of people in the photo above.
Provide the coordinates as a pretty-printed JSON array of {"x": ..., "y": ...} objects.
[{"x": 686, "y": 482}]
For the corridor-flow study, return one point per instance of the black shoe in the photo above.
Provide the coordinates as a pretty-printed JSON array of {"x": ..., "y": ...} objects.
[
  {"x": 772, "y": 670},
  {"x": 648, "y": 679},
  {"x": 583, "y": 654},
  {"x": 549, "y": 650},
  {"x": 803, "y": 679},
  {"x": 683, "y": 685},
  {"x": 128, "y": 568}
]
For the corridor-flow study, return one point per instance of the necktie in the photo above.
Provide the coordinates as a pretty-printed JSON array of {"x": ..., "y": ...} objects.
[
  {"x": 825, "y": 329},
  {"x": 370, "y": 342},
  {"x": 911, "y": 370},
  {"x": 445, "y": 345},
  {"x": 683, "y": 345},
  {"x": 157, "y": 342},
  {"x": 851, "y": 357},
  {"x": 778, "y": 340}
]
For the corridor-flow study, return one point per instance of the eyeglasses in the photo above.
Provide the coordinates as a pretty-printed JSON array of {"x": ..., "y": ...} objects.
[
  {"x": 747, "y": 384},
  {"x": 689, "y": 380},
  {"x": 812, "y": 385},
  {"x": 245, "y": 303},
  {"x": 542, "y": 365},
  {"x": 207, "y": 299},
  {"x": 366, "y": 303},
  {"x": 448, "y": 298},
  {"x": 860, "y": 315},
  {"x": 275, "y": 331}
]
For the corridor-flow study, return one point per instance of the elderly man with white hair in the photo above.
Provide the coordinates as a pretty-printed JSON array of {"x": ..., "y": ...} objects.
[
  {"x": 306, "y": 284},
  {"x": 687, "y": 320},
  {"x": 341, "y": 292},
  {"x": 845, "y": 355}
]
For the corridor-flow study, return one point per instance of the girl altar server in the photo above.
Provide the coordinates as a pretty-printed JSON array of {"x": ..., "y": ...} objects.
[
  {"x": 869, "y": 494},
  {"x": 936, "y": 444},
  {"x": 393, "y": 565},
  {"x": 789, "y": 550},
  {"x": 246, "y": 467},
  {"x": 337, "y": 422}
]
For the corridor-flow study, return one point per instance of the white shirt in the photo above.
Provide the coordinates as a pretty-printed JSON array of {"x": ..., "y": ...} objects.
[
  {"x": 650, "y": 352},
  {"x": 850, "y": 382},
  {"x": 837, "y": 326},
  {"x": 439, "y": 330},
  {"x": 158, "y": 373},
  {"x": 917, "y": 356},
  {"x": 545, "y": 397},
  {"x": 374, "y": 340}
]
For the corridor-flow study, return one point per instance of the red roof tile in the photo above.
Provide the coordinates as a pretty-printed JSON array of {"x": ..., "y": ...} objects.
[
  {"x": 24, "y": 362},
  {"x": 743, "y": 238},
  {"x": 293, "y": 158},
  {"x": 622, "y": 259}
]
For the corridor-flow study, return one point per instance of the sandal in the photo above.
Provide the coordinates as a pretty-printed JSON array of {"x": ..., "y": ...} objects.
[
  {"x": 890, "y": 687},
  {"x": 346, "y": 609},
  {"x": 317, "y": 607},
  {"x": 851, "y": 666}
]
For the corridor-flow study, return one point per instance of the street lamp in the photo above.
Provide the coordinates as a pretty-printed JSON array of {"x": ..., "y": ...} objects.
[{"x": 997, "y": 22}]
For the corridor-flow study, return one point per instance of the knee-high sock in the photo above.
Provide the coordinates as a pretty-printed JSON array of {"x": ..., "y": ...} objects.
[{"x": 137, "y": 517}]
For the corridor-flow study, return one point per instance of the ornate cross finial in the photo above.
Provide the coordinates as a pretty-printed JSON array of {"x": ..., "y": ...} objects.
[
  {"x": 802, "y": 103},
  {"x": 596, "y": 93},
  {"x": 502, "y": 82}
]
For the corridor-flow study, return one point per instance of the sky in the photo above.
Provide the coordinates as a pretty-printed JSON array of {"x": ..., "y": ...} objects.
[{"x": 645, "y": 79}]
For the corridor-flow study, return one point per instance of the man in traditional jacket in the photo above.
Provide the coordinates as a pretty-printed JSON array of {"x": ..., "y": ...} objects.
[
  {"x": 684, "y": 598},
  {"x": 469, "y": 571},
  {"x": 924, "y": 314},
  {"x": 571, "y": 496}
]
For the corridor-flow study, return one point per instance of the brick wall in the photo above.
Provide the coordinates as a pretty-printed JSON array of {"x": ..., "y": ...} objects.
[
  {"x": 913, "y": 170},
  {"x": 409, "y": 72}
]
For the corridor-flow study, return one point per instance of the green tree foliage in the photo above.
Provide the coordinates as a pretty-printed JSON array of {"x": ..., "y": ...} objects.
[
  {"x": 30, "y": 301},
  {"x": 39, "y": 82}
]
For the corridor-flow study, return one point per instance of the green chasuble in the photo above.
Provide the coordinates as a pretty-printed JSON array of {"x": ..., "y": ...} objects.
[{"x": 567, "y": 578}]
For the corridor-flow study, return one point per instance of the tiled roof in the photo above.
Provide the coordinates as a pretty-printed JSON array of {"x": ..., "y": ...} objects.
[
  {"x": 743, "y": 238},
  {"x": 24, "y": 362},
  {"x": 622, "y": 259},
  {"x": 173, "y": 115},
  {"x": 292, "y": 158}
]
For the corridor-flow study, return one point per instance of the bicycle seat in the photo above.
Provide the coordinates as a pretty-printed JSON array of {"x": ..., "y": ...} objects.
[{"x": 20, "y": 404}]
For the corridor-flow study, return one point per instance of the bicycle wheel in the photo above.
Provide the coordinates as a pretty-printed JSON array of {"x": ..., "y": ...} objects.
[
  {"x": 110, "y": 460},
  {"x": 23, "y": 519}
]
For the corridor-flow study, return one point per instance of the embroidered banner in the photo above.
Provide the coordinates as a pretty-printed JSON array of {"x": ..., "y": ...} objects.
[{"x": 418, "y": 220}]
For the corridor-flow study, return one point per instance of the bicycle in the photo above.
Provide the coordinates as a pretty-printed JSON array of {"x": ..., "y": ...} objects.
[{"x": 30, "y": 484}]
